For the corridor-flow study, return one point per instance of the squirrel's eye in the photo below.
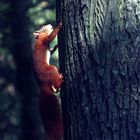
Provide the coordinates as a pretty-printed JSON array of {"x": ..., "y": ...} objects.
[{"x": 44, "y": 27}]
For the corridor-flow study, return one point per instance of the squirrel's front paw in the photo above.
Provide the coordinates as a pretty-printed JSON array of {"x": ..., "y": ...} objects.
[
  {"x": 61, "y": 77},
  {"x": 60, "y": 25}
]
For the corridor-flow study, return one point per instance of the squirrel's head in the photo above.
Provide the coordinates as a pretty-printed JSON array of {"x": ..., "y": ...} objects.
[{"x": 46, "y": 29}]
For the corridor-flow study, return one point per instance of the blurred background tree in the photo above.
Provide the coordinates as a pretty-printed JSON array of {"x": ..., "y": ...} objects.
[{"x": 19, "y": 92}]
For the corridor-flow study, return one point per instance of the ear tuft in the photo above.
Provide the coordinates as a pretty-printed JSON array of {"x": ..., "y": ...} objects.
[{"x": 36, "y": 34}]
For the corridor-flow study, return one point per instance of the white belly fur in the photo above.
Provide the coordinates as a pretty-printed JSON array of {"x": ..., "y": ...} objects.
[{"x": 48, "y": 55}]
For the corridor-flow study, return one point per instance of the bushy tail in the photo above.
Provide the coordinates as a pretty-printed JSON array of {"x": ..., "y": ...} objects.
[{"x": 50, "y": 111}]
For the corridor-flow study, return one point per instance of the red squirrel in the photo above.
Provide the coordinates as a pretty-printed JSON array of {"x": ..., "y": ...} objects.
[{"x": 49, "y": 80}]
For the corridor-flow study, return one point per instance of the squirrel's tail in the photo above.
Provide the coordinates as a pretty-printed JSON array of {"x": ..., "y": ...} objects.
[{"x": 51, "y": 116}]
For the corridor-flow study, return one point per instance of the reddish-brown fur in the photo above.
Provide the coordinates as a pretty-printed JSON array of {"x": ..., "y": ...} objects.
[{"x": 48, "y": 76}]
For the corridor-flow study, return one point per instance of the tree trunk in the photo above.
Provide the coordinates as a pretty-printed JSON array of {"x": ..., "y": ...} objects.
[
  {"x": 100, "y": 59},
  {"x": 25, "y": 82}
]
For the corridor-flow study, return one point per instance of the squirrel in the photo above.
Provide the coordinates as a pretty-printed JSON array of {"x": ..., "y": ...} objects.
[{"x": 49, "y": 80}]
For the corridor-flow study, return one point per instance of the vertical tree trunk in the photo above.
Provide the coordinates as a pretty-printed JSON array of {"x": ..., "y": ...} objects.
[
  {"x": 25, "y": 83},
  {"x": 100, "y": 58}
]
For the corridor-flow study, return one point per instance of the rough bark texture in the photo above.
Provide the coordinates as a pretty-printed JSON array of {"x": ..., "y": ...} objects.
[{"x": 100, "y": 59}]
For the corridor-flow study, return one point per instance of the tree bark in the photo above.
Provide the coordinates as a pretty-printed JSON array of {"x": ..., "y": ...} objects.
[{"x": 100, "y": 59}]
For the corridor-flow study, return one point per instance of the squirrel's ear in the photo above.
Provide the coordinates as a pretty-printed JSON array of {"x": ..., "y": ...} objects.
[{"x": 36, "y": 34}]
